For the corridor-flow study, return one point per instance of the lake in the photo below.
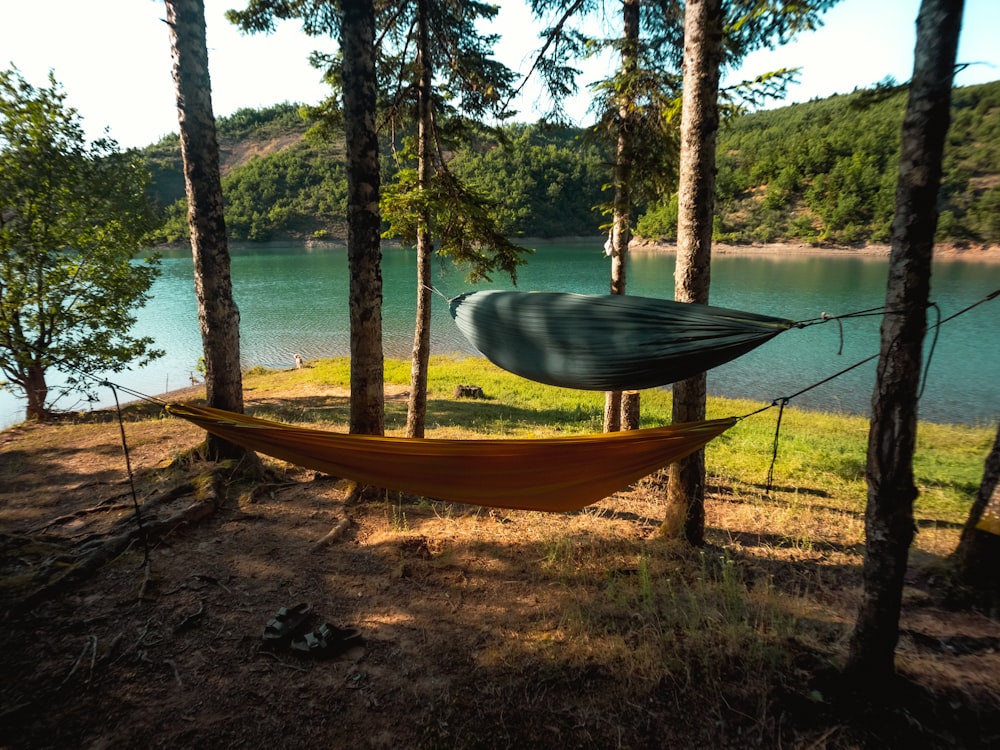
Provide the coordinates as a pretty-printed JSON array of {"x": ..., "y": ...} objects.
[{"x": 294, "y": 300}]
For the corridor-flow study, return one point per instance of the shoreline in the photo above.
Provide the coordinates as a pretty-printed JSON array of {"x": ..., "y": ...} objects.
[{"x": 942, "y": 251}]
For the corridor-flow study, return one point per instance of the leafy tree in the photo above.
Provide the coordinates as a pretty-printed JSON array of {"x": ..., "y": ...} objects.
[
  {"x": 432, "y": 63},
  {"x": 444, "y": 67},
  {"x": 299, "y": 191},
  {"x": 889, "y": 524},
  {"x": 218, "y": 315},
  {"x": 633, "y": 110},
  {"x": 73, "y": 217},
  {"x": 716, "y": 33},
  {"x": 543, "y": 181}
]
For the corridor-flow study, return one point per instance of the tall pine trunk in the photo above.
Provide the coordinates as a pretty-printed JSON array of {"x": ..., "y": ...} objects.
[
  {"x": 976, "y": 561},
  {"x": 621, "y": 232},
  {"x": 218, "y": 315},
  {"x": 417, "y": 408},
  {"x": 889, "y": 524},
  {"x": 685, "y": 513},
  {"x": 364, "y": 249}
]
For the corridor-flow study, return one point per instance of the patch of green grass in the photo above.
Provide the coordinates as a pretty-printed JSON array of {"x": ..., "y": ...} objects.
[{"x": 819, "y": 454}]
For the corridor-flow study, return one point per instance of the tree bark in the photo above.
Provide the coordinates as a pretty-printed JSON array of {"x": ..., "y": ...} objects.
[
  {"x": 417, "y": 408},
  {"x": 621, "y": 233},
  {"x": 692, "y": 275},
  {"x": 36, "y": 390},
  {"x": 218, "y": 315},
  {"x": 889, "y": 525},
  {"x": 364, "y": 248},
  {"x": 976, "y": 560}
]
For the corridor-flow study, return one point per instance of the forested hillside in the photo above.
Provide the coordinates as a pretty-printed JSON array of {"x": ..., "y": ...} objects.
[
  {"x": 825, "y": 171},
  {"x": 820, "y": 172}
]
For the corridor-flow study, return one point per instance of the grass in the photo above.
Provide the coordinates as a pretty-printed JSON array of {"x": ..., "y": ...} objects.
[
  {"x": 655, "y": 631},
  {"x": 820, "y": 455},
  {"x": 718, "y": 619}
]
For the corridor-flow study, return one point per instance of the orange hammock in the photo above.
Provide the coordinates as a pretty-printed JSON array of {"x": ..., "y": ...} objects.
[{"x": 549, "y": 474}]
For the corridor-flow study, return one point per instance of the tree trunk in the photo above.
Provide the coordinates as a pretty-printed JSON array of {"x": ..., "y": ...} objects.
[
  {"x": 630, "y": 410},
  {"x": 976, "y": 561},
  {"x": 364, "y": 248},
  {"x": 696, "y": 205},
  {"x": 37, "y": 392},
  {"x": 218, "y": 314},
  {"x": 417, "y": 408},
  {"x": 621, "y": 232},
  {"x": 889, "y": 523}
]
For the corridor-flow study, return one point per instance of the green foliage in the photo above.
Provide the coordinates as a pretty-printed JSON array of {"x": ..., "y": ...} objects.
[
  {"x": 546, "y": 182},
  {"x": 277, "y": 182},
  {"x": 291, "y": 192},
  {"x": 461, "y": 218},
  {"x": 825, "y": 171},
  {"x": 269, "y": 122},
  {"x": 72, "y": 219},
  {"x": 660, "y": 220}
]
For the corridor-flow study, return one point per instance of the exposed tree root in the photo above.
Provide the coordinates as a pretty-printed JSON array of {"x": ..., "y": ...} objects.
[
  {"x": 160, "y": 516},
  {"x": 102, "y": 507}
]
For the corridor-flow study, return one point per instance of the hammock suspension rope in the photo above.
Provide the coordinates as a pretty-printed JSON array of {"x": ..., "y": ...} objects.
[{"x": 716, "y": 426}]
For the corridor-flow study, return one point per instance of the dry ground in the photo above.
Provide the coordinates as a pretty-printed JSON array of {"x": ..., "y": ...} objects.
[
  {"x": 482, "y": 629},
  {"x": 966, "y": 252}
]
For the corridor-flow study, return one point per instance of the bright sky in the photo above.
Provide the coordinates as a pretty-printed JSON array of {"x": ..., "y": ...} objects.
[{"x": 112, "y": 57}]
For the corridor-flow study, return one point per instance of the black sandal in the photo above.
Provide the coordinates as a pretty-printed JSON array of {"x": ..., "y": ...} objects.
[
  {"x": 281, "y": 628},
  {"x": 327, "y": 641}
]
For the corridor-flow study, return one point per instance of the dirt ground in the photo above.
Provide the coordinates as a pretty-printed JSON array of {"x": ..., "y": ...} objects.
[
  {"x": 482, "y": 629},
  {"x": 966, "y": 252}
]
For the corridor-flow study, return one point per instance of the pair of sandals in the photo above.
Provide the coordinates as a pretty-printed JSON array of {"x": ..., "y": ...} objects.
[{"x": 288, "y": 629}]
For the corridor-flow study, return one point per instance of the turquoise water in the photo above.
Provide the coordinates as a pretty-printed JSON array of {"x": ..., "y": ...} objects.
[{"x": 294, "y": 300}]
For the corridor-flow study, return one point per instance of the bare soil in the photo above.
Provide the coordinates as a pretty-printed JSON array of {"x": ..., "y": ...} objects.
[
  {"x": 482, "y": 629},
  {"x": 966, "y": 252}
]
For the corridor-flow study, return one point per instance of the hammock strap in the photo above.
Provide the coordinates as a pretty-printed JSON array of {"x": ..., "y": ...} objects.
[
  {"x": 131, "y": 476},
  {"x": 936, "y": 328},
  {"x": 774, "y": 447},
  {"x": 826, "y": 317}
]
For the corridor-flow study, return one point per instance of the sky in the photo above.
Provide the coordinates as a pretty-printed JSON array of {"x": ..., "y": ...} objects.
[{"x": 112, "y": 57}]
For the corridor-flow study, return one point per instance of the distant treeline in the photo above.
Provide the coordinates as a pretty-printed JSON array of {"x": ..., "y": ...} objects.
[{"x": 819, "y": 172}]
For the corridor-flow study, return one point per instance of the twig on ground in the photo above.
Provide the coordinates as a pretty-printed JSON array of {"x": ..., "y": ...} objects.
[
  {"x": 91, "y": 642},
  {"x": 135, "y": 645},
  {"x": 333, "y": 535},
  {"x": 190, "y": 620}
]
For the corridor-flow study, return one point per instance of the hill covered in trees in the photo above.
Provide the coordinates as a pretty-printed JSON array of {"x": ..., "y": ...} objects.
[{"x": 818, "y": 172}]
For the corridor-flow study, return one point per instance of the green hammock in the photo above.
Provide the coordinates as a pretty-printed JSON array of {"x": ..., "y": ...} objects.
[{"x": 608, "y": 342}]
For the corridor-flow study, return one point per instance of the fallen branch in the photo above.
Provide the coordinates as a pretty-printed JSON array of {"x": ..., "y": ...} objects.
[{"x": 333, "y": 535}]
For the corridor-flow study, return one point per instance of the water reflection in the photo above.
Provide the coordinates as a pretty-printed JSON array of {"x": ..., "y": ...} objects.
[{"x": 294, "y": 300}]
